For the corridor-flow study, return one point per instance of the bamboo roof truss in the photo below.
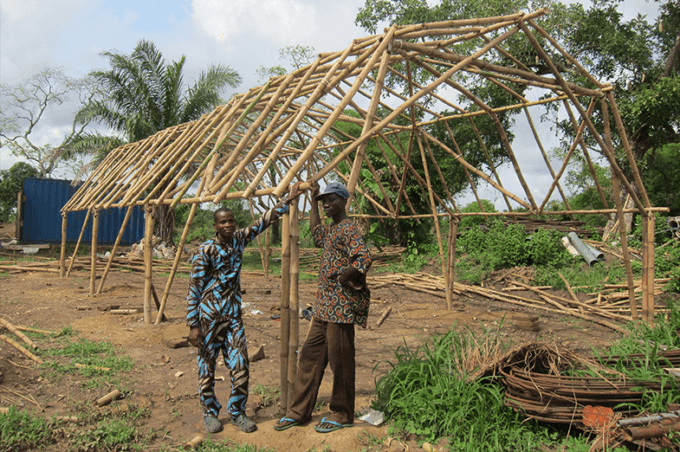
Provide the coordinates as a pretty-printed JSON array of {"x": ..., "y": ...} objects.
[{"x": 389, "y": 92}]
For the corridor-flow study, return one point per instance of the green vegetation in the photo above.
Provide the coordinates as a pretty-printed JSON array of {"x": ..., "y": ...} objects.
[
  {"x": 92, "y": 358},
  {"x": 116, "y": 429},
  {"x": 496, "y": 246},
  {"x": 268, "y": 393},
  {"x": 429, "y": 391}
]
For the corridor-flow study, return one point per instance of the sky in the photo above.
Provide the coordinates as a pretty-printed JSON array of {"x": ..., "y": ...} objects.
[{"x": 243, "y": 34}]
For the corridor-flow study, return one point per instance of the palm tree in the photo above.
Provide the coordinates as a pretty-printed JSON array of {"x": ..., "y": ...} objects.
[{"x": 143, "y": 95}]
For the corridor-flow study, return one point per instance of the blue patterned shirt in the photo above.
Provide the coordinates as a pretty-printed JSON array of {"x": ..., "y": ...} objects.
[{"x": 215, "y": 283}]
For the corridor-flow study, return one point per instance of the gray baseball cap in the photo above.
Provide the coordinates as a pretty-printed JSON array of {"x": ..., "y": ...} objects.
[{"x": 334, "y": 187}]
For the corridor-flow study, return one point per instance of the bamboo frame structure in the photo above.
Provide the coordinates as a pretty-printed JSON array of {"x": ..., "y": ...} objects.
[{"x": 383, "y": 115}]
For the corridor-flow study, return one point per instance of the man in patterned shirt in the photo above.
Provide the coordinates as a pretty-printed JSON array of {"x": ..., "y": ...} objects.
[
  {"x": 214, "y": 312},
  {"x": 342, "y": 299}
]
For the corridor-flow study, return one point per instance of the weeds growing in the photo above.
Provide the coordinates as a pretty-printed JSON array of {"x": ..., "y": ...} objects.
[{"x": 427, "y": 393}]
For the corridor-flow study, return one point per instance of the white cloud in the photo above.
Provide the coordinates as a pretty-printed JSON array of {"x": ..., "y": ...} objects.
[{"x": 278, "y": 21}]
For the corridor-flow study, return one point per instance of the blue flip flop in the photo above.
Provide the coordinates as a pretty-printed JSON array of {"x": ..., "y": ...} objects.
[
  {"x": 279, "y": 426},
  {"x": 335, "y": 426}
]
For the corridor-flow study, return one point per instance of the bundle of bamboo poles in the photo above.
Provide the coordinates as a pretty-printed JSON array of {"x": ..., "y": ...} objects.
[{"x": 605, "y": 307}]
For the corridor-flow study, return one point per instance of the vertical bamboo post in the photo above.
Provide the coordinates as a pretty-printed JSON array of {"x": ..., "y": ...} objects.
[
  {"x": 260, "y": 241},
  {"x": 267, "y": 251},
  {"x": 294, "y": 298},
  {"x": 285, "y": 314},
  {"x": 80, "y": 238},
  {"x": 435, "y": 217},
  {"x": 148, "y": 261},
  {"x": 115, "y": 248},
  {"x": 645, "y": 269},
  {"x": 619, "y": 209},
  {"x": 650, "y": 270},
  {"x": 451, "y": 255},
  {"x": 62, "y": 255},
  {"x": 93, "y": 249}
]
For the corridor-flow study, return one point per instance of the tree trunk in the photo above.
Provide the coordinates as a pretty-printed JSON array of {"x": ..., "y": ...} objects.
[{"x": 164, "y": 227}]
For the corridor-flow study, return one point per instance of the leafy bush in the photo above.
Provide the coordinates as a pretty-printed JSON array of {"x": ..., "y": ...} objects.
[
  {"x": 505, "y": 247},
  {"x": 468, "y": 222}
]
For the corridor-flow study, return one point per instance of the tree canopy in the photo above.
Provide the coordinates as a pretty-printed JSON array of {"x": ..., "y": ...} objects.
[
  {"x": 143, "y": 95},
  {"x": 638, "y": 56}
]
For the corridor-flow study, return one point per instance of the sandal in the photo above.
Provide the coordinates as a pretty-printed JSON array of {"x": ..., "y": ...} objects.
[
  {"x": 285, "y": 423},
  {"x": 333, "y": 426}
]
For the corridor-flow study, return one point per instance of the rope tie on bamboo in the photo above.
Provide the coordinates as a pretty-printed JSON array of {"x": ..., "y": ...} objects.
[{"x": 396, "y": 44}]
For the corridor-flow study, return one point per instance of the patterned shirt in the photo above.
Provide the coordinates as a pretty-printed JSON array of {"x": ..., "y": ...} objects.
[
  {"x": 215, "y": 284},
  {"x": 343, "y": 246}
]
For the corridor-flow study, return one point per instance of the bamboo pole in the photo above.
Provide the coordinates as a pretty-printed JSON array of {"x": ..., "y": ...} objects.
[
  {"x": 62, "y": 254},
  {"x": 586, "y": 155},
  {"x": 80, "y": 238},
  {"x": 629, "y": 151},
  {"x": 16, "y": 345},
  {"x": 13, "y": 329},
  {"x": 267, "y": 251},
  {"x": 453, "y": 232},
  {"x": 115, "y": 248},
  {"x": 547, "y": 160},
  {"x": 375, "y": 100},
  {"x": 285, "y": 312},
  {"x": 320, "y": 89},
  {"x": 586, "y": 118},
  {"x": 622, "y": 230},
  {"x": 387, "y": 120},
  {"x": 93, "y": 250},
  {"x": 648, "y": 277},
  {"x": 294, "y": 305},
  {"x": 148, "y": 262},
  {"x": 572, "y": 148},
  {"x": 442, "y": 259},
  {"x": 232, "y": 128}
]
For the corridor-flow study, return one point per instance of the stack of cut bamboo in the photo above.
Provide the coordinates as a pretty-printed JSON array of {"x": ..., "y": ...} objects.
[{"x": 604, "y": 308}]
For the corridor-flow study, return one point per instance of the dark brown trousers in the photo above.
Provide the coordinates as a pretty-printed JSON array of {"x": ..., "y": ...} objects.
[{"x": 327, "y": 343}]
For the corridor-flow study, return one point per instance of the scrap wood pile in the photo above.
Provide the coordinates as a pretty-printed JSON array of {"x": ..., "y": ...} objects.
[
  {"x": 605, "y": 307},
  {"x": 603, "y": 402}
]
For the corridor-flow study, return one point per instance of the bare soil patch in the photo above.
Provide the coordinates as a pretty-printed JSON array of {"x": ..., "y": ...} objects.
[{"x": 45, "y": 301}]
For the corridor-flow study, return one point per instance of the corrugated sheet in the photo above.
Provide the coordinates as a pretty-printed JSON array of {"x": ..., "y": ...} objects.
[{"x": 41, "y": 216}]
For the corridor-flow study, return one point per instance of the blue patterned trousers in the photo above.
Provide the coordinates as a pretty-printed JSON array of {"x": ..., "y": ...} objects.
[{"x": 227, "y": 336}]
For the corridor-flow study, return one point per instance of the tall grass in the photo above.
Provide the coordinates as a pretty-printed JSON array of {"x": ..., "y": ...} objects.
[{"x": 428, "y": 393}]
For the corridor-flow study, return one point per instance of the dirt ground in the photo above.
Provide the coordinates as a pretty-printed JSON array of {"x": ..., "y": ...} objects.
[{"x": 43, "y": 300}]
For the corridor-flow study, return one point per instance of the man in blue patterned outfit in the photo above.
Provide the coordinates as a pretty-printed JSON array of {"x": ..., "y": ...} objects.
[
  {"x": 342, "y": 299},
  {"x": 214, "y": 312}
]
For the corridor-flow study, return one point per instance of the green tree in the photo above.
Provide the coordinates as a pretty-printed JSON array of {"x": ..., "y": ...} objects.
[
  {"x": 25, "y": 104},
  {"x": 144, "y": 95},
  {"x": 297, "y": 56},
  {"x": 638, "y": 56},
  {"x": 11, "y": 182}
]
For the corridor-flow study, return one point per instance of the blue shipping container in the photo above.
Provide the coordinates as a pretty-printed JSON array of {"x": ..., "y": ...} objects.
[{"x": 41, "y": 216}]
